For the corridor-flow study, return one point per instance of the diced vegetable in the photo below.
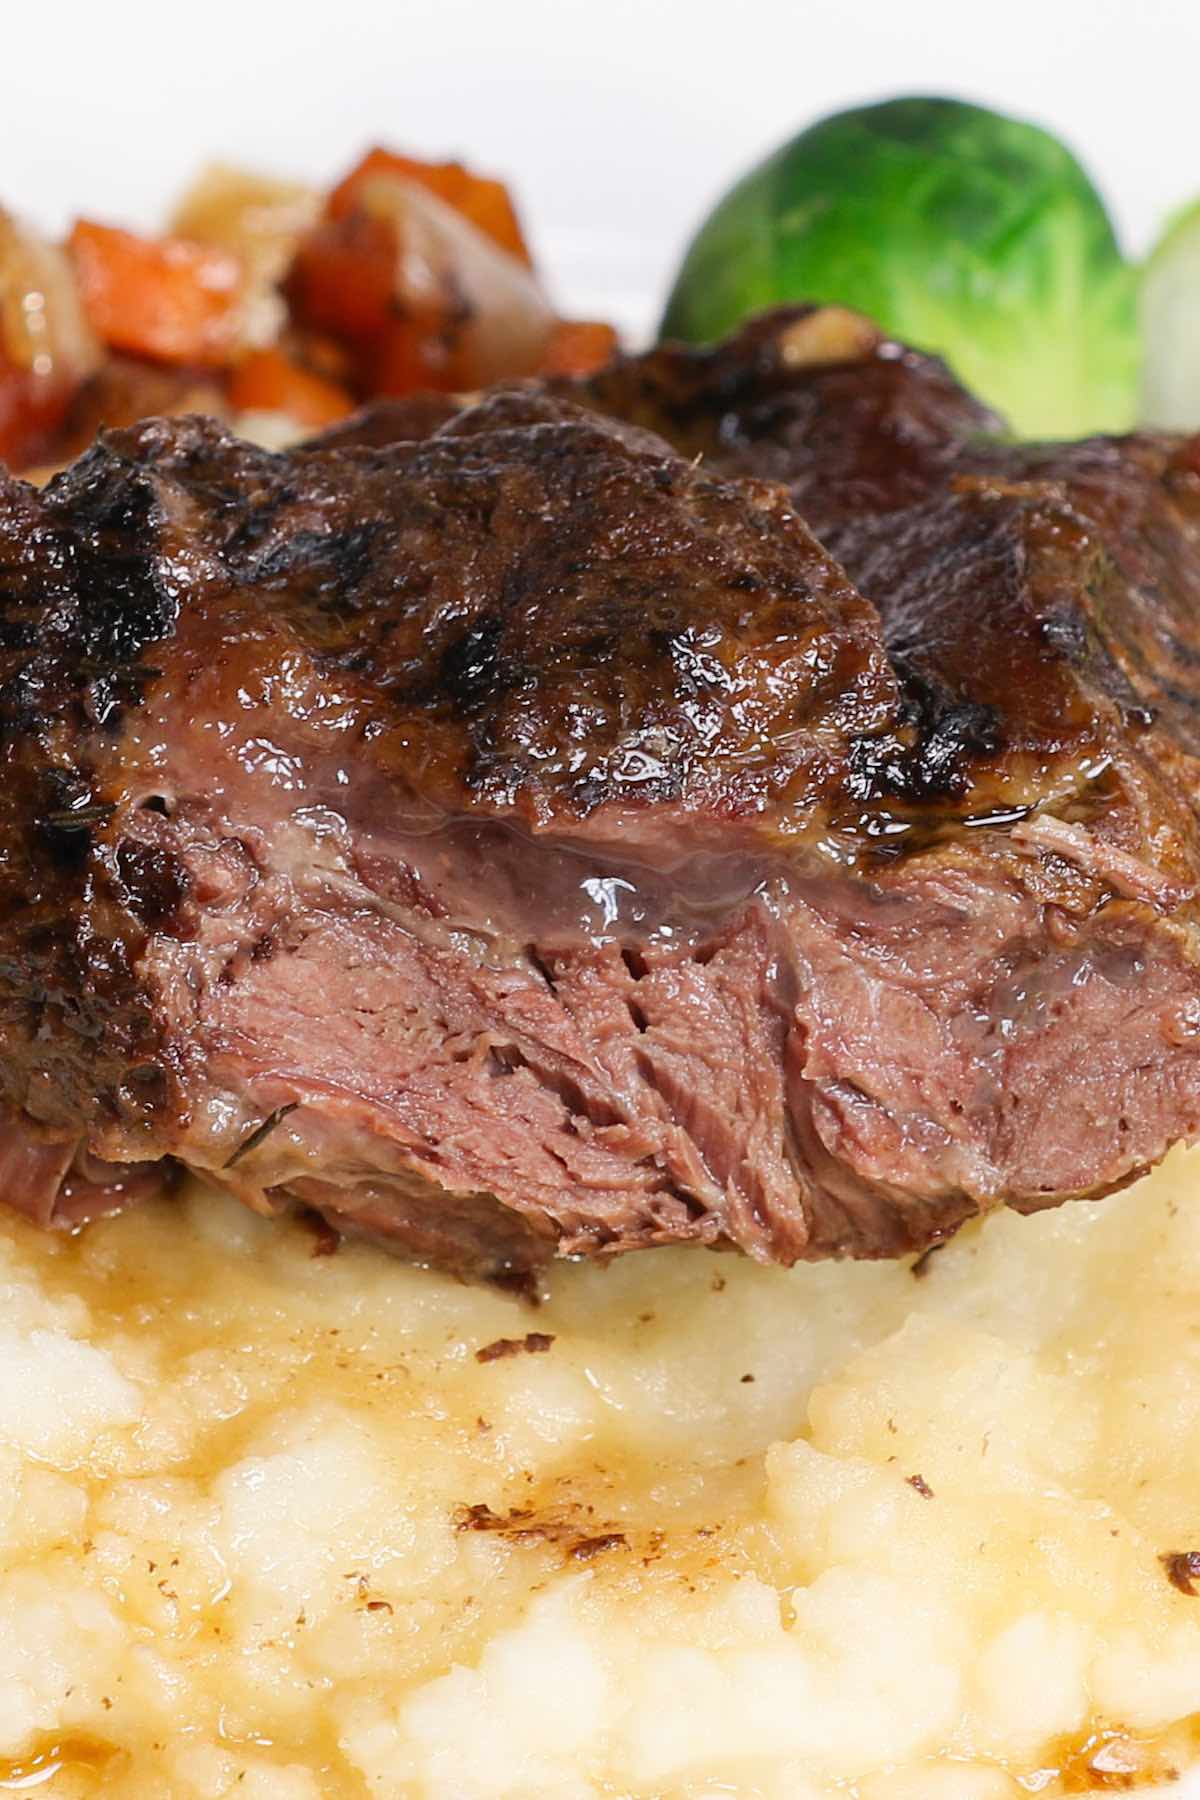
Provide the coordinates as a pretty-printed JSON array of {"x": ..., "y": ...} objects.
[
  {"x": 479, "y": 198},
  {"x": 260, "y": 221},
  {"x": 270, "y": 381},
  {"x": 247, "y": 214},
  {"x": 963, "y": 231},
  {"x": 423, "y": 296},
  {"x": 491, "y": 317},
  {"x": 47, "y": 349},
  {"x": 277, "y": 307},
  {"x": 1170, "y": 320},
  {"x": 164, "y": 298},
  {"x": 578, "y": 347},
  {"x": 343, "y": 280}
]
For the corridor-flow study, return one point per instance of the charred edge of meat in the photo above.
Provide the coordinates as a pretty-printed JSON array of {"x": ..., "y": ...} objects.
[{"x": 949, "y": 738}]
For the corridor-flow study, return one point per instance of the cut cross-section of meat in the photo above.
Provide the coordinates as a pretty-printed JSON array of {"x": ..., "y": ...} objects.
[{"x": 524, "y": 837}]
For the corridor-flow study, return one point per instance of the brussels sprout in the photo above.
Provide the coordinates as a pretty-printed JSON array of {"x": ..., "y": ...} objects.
[
  {"x": 1170, "y": 312},
  {"x": 961, "y": 231}
]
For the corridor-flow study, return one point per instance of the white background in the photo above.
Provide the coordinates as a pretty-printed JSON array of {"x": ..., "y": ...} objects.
[{"x": 618, "y": 121}]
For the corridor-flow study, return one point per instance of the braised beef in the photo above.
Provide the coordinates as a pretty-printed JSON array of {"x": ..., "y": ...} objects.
[{"x": 506, "y": 832}]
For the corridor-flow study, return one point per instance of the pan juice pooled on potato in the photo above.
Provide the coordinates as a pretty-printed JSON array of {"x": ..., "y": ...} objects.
[{"x": 291, "y": 1525}]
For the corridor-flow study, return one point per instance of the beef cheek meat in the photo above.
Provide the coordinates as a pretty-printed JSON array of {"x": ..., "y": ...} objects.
[{"x": 527, "y": 837}]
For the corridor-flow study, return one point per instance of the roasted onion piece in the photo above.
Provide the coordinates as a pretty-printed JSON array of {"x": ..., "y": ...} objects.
[{"x": 47, "y": 348}]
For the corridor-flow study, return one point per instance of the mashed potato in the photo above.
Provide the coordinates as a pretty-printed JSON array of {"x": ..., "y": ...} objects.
[{"x": 272, "y": 1527}]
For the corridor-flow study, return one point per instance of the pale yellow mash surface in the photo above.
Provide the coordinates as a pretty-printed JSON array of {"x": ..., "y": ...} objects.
[{"x": 269, "y": 1528}]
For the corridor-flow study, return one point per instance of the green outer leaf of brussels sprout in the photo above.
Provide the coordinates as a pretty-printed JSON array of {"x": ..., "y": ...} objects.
[
  {"x": 961, "y": 231},
  {"x": 1170, "y": 309}
]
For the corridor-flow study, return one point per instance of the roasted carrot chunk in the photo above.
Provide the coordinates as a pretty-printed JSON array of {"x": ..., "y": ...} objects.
[
  {"x": 343, "y": 279},
  {"x": 409, "y": 356},
  {"x": 270, "y": 381},
  {"x": 343, "y": 282},
  {"x": 578, "y": 347},
  {"x": 479, "y": 198},
  {"x": 163, "y": 298}
]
